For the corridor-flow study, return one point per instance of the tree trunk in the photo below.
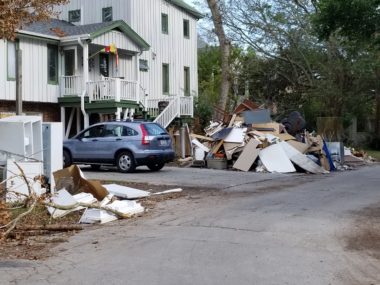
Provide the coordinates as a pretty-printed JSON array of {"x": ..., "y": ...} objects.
[{"x": 225, "y": 49}]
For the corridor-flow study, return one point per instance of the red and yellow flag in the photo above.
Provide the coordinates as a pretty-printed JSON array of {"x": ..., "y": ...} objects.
[{"x": 112, "y": 49}]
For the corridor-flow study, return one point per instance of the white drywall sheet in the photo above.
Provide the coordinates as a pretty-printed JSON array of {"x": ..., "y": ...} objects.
[{"x": 275, "y": 159}]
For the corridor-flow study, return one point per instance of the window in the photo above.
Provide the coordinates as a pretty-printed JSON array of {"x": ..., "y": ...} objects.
[
  {"x": 52, "y": 64},
  {"x": 187, "y": 80},
  {"x": 154, "y": 130},
  {"x": 11, "y": 60},
  {"x": 107, "y": 14},
  {"x": 94, "y": 132},
  {"x": 165, "y": 78},
  {"x": 186, "y": 29},
  {"x": 164, "y": 23},
  {"x": 74, "y": 16},
  {"x": 143, "y": 65}
]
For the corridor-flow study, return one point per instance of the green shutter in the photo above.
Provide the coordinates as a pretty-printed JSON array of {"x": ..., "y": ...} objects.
[
  {"x": 52, "y": 64},
  {"x": 186, "y": 29},
  {"x": 165, "y": 78},
  {"x": 164, "y": 23},
  {"x": 187, "y": 80}
]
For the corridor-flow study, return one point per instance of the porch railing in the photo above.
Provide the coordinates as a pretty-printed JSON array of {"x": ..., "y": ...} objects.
[
  {"x": 128, "y": 90},
  {"x": 102, "y": 90},
  {"x": 71, "y": 85}
]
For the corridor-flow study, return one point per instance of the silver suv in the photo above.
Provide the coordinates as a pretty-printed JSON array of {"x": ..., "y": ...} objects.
[{"x": 124, "y": 144}]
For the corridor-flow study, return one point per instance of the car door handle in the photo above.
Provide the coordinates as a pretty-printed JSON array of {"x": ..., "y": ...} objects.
[
  {"x": 94, "y": 140},
  {"x": 119, "y": 139}
]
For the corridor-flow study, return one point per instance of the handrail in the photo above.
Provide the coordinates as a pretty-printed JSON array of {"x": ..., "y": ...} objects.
[{"x": 169, "y": 113}]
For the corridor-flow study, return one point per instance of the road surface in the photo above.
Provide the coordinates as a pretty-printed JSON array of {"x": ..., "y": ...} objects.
[{"x": 242, "y": 228}]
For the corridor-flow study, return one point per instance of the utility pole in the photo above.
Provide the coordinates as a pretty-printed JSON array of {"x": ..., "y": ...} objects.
[{"x": 18, "y": 81}]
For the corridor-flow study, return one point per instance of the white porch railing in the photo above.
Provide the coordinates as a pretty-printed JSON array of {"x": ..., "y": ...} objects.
[
  {"x": 102, "y": 90},
  {"x": 128, "y": 90},
  {"x": 71, "y": 85}
]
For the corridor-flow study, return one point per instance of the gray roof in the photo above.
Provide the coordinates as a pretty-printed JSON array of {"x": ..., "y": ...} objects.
[{"x": 61, "y": 28}]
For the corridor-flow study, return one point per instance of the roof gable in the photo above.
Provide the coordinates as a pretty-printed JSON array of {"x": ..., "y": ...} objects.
[
  {"x": 187, "y": 8},
  {"x": 63, "y": 29}
]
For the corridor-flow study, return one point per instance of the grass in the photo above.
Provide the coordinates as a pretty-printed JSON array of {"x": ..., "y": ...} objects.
[{"x": 374, "y": 153}]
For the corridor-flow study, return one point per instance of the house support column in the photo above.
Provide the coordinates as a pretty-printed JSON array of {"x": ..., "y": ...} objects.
[
  {"x": 132, "y": 114},
  {"x": 125, "y": 115},
  {"x": 63, "y": 120},
  {"x": 69, "y": 125},
  {"x": 78, "y": 120},
  {"x": 85, "y": 80},
  {"x": 118, "y": 113}
]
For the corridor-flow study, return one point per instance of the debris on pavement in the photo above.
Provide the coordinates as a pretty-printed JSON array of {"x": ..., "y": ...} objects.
[{"x": 248, "y": 140}]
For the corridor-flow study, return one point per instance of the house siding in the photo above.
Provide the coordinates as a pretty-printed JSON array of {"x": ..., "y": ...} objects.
[
  {"x": 144, "y": 16},
  {"x": 35, "y": 87}
]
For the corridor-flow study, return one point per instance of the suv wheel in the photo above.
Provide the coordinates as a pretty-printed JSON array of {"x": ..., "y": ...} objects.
[
  {"x": 125, "y": 162},
  {"x": 67, "y": 161},
  {"x": 156, "y": 166}
]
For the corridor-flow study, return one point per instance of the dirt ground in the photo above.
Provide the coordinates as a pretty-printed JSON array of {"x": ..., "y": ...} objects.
[
  {"x": 365, "y": 233},
  {"x": 26, "y": 245}
]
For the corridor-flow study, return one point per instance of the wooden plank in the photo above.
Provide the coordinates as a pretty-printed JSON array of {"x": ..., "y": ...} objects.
[
  {"x": 273, "y": 128},
  {"x": 195, "y": 136},
  {"x": 301, "y": 147},
  {"x": 285, "y": 137},
  {"x": 216, "y": 148},
  {"x": 232, "y": 121},
  {"x": 248, "y": 156}
]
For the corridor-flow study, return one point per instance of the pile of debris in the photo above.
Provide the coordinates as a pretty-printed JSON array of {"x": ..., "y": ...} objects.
[
  {"x": 250, "y": 140},
  {"x": 102, "y": 203}
]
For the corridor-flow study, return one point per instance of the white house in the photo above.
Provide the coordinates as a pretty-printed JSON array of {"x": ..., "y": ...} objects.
[{"x": 104, "y": 57}]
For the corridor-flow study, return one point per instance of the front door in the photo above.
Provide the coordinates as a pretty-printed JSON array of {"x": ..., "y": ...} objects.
[{"x": 104, "y": 67}]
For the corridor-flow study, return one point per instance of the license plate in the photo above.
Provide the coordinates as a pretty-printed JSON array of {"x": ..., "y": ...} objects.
[{"x": 163, "y": 142}]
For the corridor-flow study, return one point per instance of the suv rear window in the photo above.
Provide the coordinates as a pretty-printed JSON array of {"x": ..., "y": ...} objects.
[{"x": 154, "y": 129}]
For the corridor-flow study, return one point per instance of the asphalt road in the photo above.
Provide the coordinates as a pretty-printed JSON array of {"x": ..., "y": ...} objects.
[{"x": 261, "y": 229}]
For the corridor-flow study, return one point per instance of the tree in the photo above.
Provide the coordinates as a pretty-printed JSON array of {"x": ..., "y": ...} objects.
[
  {"x": 357, "y": 21},
  {"x": 225, "y": 49},
  {"x": 15, "y": 13}
]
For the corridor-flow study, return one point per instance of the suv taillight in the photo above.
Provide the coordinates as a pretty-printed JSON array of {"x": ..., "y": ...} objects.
[{"x": 145, "y": 137}]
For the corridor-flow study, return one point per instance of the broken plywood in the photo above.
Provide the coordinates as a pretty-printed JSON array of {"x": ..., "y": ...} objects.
[
  {"x": 248, "y": 156},
  {"x": 275, "y": 159}
]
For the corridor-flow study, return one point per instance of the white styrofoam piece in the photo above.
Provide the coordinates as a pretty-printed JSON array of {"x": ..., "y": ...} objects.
[
  {"x": 200, "y": 145},
  {"x": 91, "y": 216},
  {"x": 15, "y": 182},
  {"x": 126, "y": 207},
  {"x": 237, "y": 135},
  {"x": 86, "y": 198},
  {"x": 125, "y": 192},
  {"x": 347, "y": 151},
  {"x": 62, "y": 198},
  {"x": 199, "y": 154},
  {"x": 106, "y": 200},
  {"x": 301, "y": 160},
  {"x": 275, "y": 159},
  {"x": 95, "y": 216}
]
